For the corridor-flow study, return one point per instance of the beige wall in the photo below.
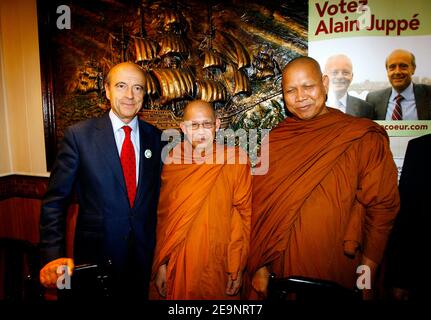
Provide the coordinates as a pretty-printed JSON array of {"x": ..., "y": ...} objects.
[
  {"x": 22, "y": 148},
  {"x": 5, "y": 160}
]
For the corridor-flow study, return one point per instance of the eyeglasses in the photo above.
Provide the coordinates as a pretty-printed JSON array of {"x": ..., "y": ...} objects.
[{"x": 196, "y": 125}]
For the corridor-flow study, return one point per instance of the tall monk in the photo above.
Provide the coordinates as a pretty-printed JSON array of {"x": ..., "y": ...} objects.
[
  {"x": 204, "y": 214},
  {"x": 330, "y": 197}
]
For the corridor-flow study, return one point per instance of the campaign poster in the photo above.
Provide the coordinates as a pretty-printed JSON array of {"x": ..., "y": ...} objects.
[{"x": 360, "y": 44}]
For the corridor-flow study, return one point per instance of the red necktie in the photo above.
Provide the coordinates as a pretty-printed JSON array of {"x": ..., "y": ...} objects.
[
  {"x": 398, "y": 112},
  {"x": 128, "y": 162}
]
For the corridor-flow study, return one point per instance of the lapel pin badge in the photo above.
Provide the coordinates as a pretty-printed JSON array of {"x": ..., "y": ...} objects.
[{"x": 148, "y": 153}]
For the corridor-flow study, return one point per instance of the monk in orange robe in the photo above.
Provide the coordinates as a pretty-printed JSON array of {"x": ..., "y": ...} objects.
[
  {"x": 330, "y": 197},
  {"x": 204, "y": 214}
]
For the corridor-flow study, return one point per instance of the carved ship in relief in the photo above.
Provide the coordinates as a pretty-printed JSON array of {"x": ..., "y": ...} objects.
[
  {"x": 173, "y": 78},
  {"x": 89, "y": 79}
]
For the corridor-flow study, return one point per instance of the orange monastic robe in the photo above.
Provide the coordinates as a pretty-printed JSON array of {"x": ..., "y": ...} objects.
[
  {"x": 331, "y": 179},
  {"x": 203, "y": 228}
]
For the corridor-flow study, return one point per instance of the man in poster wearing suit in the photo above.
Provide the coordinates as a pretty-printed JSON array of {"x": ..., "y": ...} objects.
[
  {"x": 114, "y": 163},
  {"x": 339, "y": 70},
  {"x": 404, "y": 100}
]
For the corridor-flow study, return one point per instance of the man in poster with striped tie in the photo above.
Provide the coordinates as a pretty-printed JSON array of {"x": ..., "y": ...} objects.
[{"x": 405, "y": 100}]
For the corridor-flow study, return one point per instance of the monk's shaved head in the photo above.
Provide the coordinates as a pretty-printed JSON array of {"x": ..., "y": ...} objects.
[
  {"x": 304, "y": 88},
  {"x": 198, "y": 106},
  {"x": 200, "y": 124},
  {"x": 303, "y": 61}
]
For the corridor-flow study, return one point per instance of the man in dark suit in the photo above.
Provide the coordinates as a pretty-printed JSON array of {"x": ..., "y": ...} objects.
[
  {"x": 114, "y": 163},
  {"x": 405, "y": 100},
  {"x": 407, "y": 273},
  {"x": 339, "y": 70}
]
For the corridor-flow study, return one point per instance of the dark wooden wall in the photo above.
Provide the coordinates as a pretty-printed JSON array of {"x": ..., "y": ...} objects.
[{"x": 20, "y": 204}]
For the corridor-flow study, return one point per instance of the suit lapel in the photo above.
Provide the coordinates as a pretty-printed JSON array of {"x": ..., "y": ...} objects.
[
  {"x": 145, "y": 158},
  {"x": 383, "y": 106},
  {"x": 350, "y": 105},
  {"x": 421, "y": 102},
  {"x": 108, "y": 149}
]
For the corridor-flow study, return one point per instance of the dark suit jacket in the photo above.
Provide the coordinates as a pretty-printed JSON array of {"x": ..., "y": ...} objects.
[
  {"x": 88, "y": 160},
  {"x": 358, "y": 107},
  {"x": 380, "y": 99},
  {"x": 410, "y": 242}
]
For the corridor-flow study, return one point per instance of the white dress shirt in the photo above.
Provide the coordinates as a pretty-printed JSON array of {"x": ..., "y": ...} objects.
[
  {"x": 119, "y": 135},
  {"x": 339, "y": 104},
  {"x": 408, "y": 104}
]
